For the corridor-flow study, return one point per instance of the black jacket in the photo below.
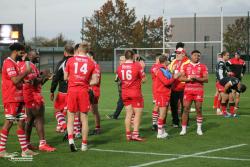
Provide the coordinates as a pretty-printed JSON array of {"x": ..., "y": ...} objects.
[{"x": 58, "y": 78}]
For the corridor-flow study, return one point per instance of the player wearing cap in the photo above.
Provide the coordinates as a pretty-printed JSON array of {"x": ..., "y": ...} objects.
[
  {"x": 195, "y": 75},
  {"x": 238, "y": 69},
  {"x": 229, "y": 84},
  {"x": 80, "y": 74},
  {"x": 132, "y": 75},
  {"x": 61, "y": 98},
  {"x": 12, "y": 98},
  {"x": 178, "y": 86},
  {"x": 155, "y": 113}
]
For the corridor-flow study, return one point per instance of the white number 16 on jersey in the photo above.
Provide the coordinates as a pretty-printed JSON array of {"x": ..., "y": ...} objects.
[
  {"x": 83, "y": 69},
  {"x": 126, "y": 74}
]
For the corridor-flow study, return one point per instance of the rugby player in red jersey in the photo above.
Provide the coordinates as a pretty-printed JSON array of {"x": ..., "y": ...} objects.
[
  {"x": 95, "y": 93},
  {"x": 163, "y": 83},
  {"x": 132, "y": 75},
  {"x": 155, "y": 113},
  {"x": 12, "y": 97},
  {"x": 80, "y": 73},
  {"x": 195, "y": 75},
  {"x": 34, "y": 102}
]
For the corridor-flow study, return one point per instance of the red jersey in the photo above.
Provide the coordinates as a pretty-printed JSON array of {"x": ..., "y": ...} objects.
[
  {"x": 34, "y": 74},
  {"x": 10, "y": 91},
  {"x": 80, "y": 70},
  {"x": 96, "y": 88},
  {"x": 162, "y": 83},
  {"x": 237, "y": 66},
  {"x": 175, "y": 67},
  {"x": 197, "y": 70},
  {"x": 131, "y": 75},
  {"x": 153, "y": 71}
]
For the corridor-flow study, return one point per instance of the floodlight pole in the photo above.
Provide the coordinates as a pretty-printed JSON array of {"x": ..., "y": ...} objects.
[
  {"x": 35, "y": 24},
  {"x": 163, "y": 29},
  {"x": 221, "y": 29}
]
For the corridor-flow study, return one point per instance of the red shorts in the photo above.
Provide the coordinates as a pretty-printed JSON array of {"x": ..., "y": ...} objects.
[
  {"x": 34, "y": 99},
  {"x": 61, "y": 101},
  {"x": 78, "y": 100},
  {"x": 14, "y": 111},
  {"x": 162, "y": 100},
  {"x": 219, "y": 87},
  {"x": 194, "y": 96},
  {"x": 136, "y": 102}
]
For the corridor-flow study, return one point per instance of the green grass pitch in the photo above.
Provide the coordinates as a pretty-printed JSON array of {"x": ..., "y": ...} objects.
[{"x": 213, "y": 149}]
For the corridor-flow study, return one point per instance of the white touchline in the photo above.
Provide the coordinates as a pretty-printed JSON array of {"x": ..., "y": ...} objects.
[
  {"x": 168, "y": 154},
  {"x": 186, "y": 156},
  {"x": 132, "y": 152}
]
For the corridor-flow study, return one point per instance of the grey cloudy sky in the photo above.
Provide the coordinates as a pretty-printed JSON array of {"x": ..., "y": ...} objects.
[{"x": 55, "y": 16}]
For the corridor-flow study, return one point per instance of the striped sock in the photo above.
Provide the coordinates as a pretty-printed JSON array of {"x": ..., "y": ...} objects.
[
  {"x": 154, "y": 117},
  {"x": 199, "y": 121},
  {"x": 61, "y": 119},
  {"x": 42, "y": 142},
  {"x": 3, "y": 139},
  {"x": 22, "y": 139},
  {"x": 135, "y": 134},
  {"x": 77, "y": 125}
]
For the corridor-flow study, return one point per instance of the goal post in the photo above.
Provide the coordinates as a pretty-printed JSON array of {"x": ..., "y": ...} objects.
[{"x": 148, "y": 54}]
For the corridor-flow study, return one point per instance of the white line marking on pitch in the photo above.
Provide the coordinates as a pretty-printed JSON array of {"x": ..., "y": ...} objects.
[
  {"x": 186, "y": 156},
  {"x": 167, "y": 154}
]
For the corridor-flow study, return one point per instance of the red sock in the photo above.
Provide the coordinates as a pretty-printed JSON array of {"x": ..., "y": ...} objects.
[
  {"x": 128, "y": 135},
  {"x": 97, "y": 127},
  {"x": 22, "y": 139},
  {"x": 84, "y": 142},
  {"x": 215, "y": 101},
  {"x": 224, "y": 108},
  {"x": 231, "y": 108},
  {"x": 184, "y": 123},
  {"x": 3, "y": 139},
  {"x": 160, "y": 123}
]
